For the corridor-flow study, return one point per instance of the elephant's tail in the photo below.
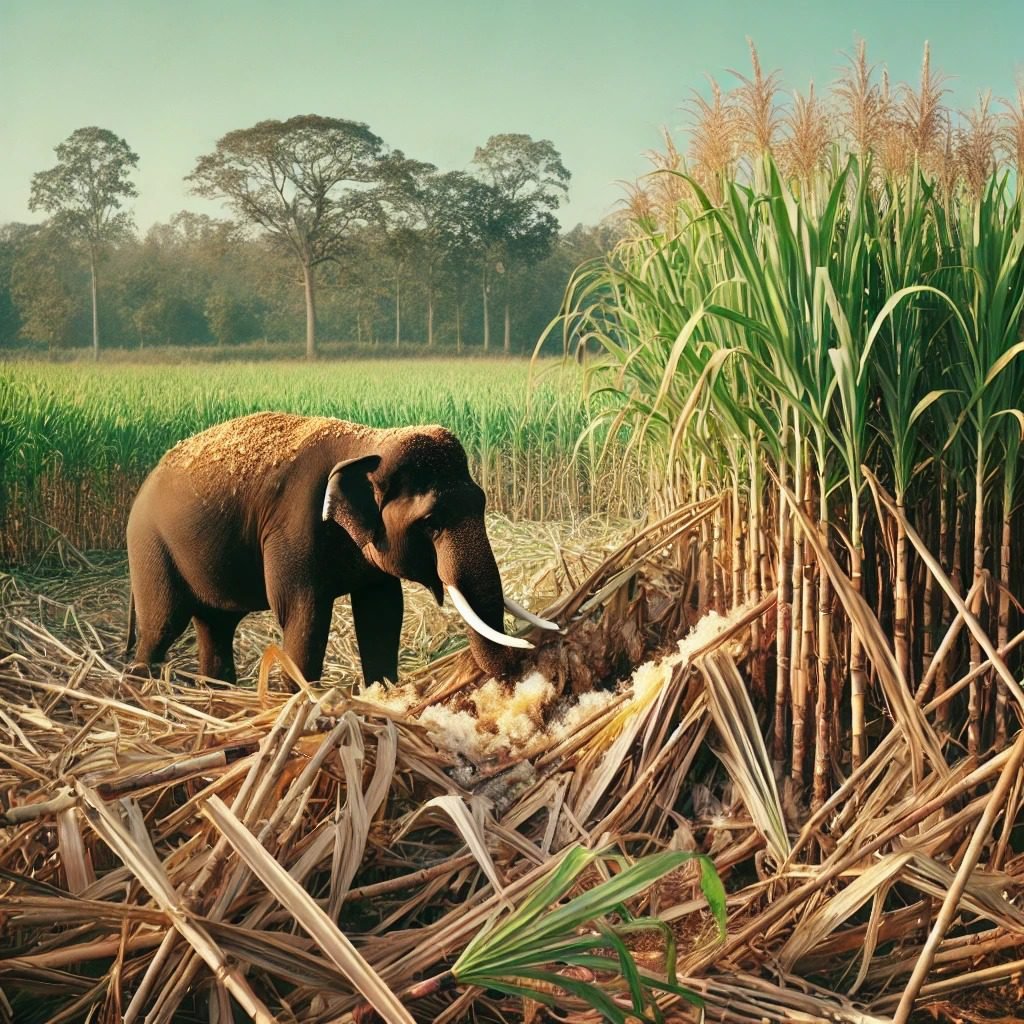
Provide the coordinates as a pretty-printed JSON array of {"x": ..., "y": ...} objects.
[{"x": 130, "y": 641}]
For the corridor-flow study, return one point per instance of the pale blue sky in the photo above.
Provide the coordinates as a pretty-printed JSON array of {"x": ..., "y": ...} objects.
[{"x": 437, "y": 77}]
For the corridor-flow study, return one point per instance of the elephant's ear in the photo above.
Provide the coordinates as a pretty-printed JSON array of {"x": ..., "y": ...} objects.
[{"x": 350, "y": 501}]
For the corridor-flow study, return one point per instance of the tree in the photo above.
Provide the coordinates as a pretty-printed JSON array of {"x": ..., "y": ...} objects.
[
  {"x": 530, "y": 182},
  {"x": 307, "y": 182},
  {"x": 490, "y": 227},
  {"x": 44, "y": 280},
  {"x": 435, "y": 220},
  {"x": 404, "y": 220},
  {"x": 83, "y": 194},
  {"x": 451, "y": 206},
  {"x": 14, "y": 238}
]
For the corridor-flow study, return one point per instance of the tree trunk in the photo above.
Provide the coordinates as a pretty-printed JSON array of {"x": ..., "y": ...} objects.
[
  {"x": 487, "y": 319},
  {"x": 508, "y": 328},
  {"x": 430, "y": 318},
  {"x": 458, "y": 326},
  {"x": 398, "y": 311},
  {"x": 307, "y": 279},
  {"x": 95, "y": 309}
]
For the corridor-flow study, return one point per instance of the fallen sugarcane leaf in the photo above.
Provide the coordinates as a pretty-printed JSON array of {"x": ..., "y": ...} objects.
[{"x": 307, "y": 913}]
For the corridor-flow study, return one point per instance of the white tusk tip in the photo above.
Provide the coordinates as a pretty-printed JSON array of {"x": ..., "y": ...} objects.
[
  {"x": 535, "y": 620},
  {"x": 465, "y": 609}
]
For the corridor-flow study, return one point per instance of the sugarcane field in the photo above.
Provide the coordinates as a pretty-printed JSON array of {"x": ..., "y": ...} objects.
[{"x": 414, "y": 608}]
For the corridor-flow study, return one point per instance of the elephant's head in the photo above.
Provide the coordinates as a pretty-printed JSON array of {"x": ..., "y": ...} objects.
[{"x": 416, "y": 512}]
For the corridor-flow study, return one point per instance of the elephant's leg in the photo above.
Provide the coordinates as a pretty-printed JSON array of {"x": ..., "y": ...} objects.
[
  {"x": 377, "y": 614},
  {"x": 306, "y": 624},
  {"x": 215, "y": 633},
  {"x": 163, "y": 607},
  {"x": 155, "y": 641}
]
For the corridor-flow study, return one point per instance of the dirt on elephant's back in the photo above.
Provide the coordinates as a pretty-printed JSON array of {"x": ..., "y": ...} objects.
[{"x": 256, "y": 444}]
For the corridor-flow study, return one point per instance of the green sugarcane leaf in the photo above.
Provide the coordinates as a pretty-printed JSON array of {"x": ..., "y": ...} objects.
[
  {"x": 627, "y": 967},
  {"x": 1017, "y": 415},
  {"x": 596, "y": 902},
  {"x": 1003, "y": 362},
  {"x": 605, "y": 963},
  {"x": 587, "y": 993},
  {"x": 653, "y": 924},
  {"x": 509, "y": 988},
  {"x": 886, "y": 311},
  {"x": 551, "y": 889},
  {"x": 926, "y": 402}
]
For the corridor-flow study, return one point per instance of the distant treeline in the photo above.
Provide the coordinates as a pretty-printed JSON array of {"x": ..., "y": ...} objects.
[
  {"x": 201, "y": 281},
  {"x": 329, "y": 226}
]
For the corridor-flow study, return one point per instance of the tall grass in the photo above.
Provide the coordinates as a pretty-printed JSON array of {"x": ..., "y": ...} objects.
[
  {"x": 803, "y": 321},
  {"x": 76, "y": 441}
]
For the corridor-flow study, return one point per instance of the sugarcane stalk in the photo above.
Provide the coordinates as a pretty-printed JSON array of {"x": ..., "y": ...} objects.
[
  {"x": 753, "y": 587},
  {"x": 823, "y": 737},
  {"x": 974, "y": 693},
  {"x": 783, "y": 619},
  {"x": 972, "y": 601},
  {"x": 797, "y": 680},
  {"x": 900, "y": 639},
  {"x": 928, "y": 620},
  {"x": 807, "y": 622},
  {"x": 956, "y": 577},
  {"x": 717, "y": 581},
  {"x": 737, "y": 541},
  {"x": 1003, "y": 624}
]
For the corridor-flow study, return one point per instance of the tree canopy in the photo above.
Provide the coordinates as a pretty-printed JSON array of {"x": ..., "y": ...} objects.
[
  {"x": 83, "y": 193},
  {"x": 528, "y": 182},
  {"x": 307, "y": 182},
  {"x": 386, "y": 244}
]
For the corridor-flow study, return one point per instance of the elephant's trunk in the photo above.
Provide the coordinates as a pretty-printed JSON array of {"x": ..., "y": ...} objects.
[{"x": 466, "y": 566}]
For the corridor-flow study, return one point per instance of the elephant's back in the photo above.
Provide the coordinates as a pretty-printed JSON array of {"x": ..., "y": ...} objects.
[{"x": 253, "y": 446}]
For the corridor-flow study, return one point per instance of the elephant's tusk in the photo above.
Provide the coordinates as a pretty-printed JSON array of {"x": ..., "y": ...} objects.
[
  {"x": 521, "y": 613},
  {"x": 465, "y": 609}
]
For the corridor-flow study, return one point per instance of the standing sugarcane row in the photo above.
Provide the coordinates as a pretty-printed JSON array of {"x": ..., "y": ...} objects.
[{"x": 782, "y": 342}]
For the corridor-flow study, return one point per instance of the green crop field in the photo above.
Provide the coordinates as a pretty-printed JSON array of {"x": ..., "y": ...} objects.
[{"x": 76, "y": 440}]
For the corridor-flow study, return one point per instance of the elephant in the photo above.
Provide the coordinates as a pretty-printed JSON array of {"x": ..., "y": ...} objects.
[{"x": 287, "y": 512}]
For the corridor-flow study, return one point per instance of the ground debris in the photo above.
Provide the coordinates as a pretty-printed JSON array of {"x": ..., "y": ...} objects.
[{"x": 126, "y": 878}]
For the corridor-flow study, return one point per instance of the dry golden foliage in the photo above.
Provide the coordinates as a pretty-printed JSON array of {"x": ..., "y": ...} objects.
[
  {"x": 922, "y": 112},
  {"x": 978, "y": 144},
  {"x": 758, "y": 117},
  {"x": 805, "y": 147},
  {"x": 715, "y": 129},
  {"x": 664, "y": 185},
  {"x": 862, "y": 107},
  {"x": 897, "y": 126},
  {"x": 946, "y": 163},
  {"x": 1012, "y": 134}
]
